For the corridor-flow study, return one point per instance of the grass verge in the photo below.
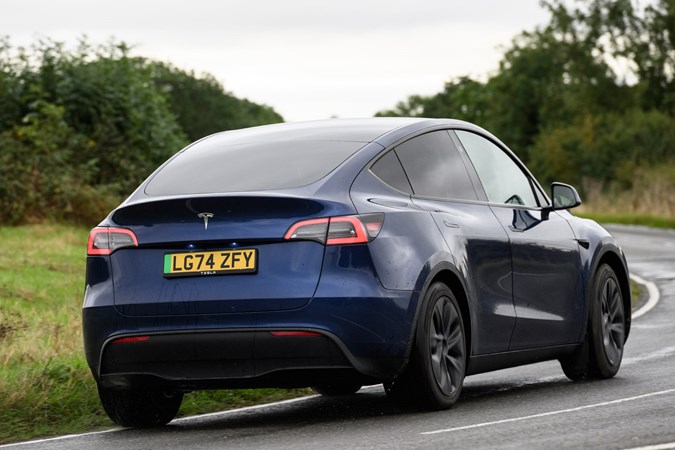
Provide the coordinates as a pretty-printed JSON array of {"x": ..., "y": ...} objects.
[
  {"x": 638, "y": 293},
  {"x": 45, "y": 385},
  {"x": 629, "y": 219}
]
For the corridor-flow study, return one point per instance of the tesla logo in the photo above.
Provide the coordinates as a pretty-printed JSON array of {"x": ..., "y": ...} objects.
[{"x": 206, "y": 216}]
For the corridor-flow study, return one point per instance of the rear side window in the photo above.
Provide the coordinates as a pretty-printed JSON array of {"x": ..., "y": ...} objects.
[
  {"x": 388, "y": 169},
  {"x": 211, "y": 166},
  {"x": 435, "y": 168}
]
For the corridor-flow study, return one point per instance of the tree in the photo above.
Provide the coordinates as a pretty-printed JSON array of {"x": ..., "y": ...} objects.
[
  {"x": 588, "y": 95},
  {"x": 202, "y": 106},
  {"x": 79, "y": 130}
]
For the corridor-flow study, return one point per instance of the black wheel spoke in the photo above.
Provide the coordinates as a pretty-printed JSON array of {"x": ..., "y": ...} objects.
[
  {"x": 612, "y": 321},
  {"x": 448, "y": 319},
  {"x": 455, "y": 337},
  {"x": 446, "y": 345}
]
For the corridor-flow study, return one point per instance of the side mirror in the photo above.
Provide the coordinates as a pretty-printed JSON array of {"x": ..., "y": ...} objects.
[{"x": 564, "y": 196}]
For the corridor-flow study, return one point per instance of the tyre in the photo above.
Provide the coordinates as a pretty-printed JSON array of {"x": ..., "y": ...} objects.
[
  {"x": 435, "y": 374},
  {"x": 336, "y": 389},
  {"x": 600, "y": 354},
  {"x": 140, "y": 409}
]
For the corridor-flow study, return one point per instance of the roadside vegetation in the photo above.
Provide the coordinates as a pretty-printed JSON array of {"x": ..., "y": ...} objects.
[
  {"x": 650, "y": 201},
  {"x": 587, "y": 99},
  {"x": 80, "y": 129},
  {"x": 45, "y": 385}
]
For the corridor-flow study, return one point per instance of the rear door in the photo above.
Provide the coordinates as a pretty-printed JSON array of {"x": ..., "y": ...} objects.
[
  {"x": 547, "y": 285},
  {"x": 441, "y": 185}
]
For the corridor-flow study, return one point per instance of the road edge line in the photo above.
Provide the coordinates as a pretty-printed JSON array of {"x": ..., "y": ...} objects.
[
  {"x": 551, "y": 413},
  {"x": 653, "y": 292},
  {"x": 178, "y": 420}
]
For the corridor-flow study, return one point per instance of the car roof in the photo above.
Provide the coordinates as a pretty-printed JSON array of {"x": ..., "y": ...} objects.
[
  {"x": 355, "y": 130},
  {"x": 375, "y": 134}
]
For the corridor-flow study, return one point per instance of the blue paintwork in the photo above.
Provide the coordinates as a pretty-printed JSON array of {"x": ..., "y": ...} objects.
[
  {"x": 547, "y": 292},
  {"x": 525, "y": 279}
]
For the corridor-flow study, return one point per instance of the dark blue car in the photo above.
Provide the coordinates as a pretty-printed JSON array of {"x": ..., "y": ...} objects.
[{"x": 342, "y": 253}]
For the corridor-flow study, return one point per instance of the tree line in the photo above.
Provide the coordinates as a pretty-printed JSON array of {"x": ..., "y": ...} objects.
[
  {"x": 587, "y": 98},
  {"x": 80, "y": 129}
]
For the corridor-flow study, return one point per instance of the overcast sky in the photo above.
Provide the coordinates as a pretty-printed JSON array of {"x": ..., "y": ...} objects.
[{"x": 309, "y": 59}]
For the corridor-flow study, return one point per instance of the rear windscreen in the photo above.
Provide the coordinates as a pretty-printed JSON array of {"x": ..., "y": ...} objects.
[{"x": 211, "y": 166}]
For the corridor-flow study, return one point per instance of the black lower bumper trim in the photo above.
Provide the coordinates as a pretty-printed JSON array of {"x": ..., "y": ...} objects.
[
  {"x": 287, "y": 379},
  {"x": 218, "y": 356}
]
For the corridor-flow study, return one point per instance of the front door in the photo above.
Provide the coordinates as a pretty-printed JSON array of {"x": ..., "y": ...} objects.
[{"x": 547, "y": 285}]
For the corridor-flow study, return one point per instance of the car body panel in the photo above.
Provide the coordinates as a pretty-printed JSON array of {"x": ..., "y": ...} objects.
[{"x": 482, "y": 254}]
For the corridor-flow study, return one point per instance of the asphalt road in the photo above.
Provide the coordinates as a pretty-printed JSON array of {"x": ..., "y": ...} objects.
[{"x": 527, "y": 407}]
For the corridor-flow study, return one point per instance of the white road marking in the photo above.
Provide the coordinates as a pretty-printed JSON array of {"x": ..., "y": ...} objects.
[
  {"x": 244, "y": 409},
  {"x": 667, "y": 446},
  {"x": 175, "y": 421},
  {"x": 654, "y": 296},
  {"x": 59, "y": 438},
  {"x": 552, "y": 413}
]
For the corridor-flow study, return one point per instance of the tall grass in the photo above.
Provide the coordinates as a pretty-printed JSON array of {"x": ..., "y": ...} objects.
[
  {"x": 45, "y": 385},
  {"x": 649, "y": 200}
]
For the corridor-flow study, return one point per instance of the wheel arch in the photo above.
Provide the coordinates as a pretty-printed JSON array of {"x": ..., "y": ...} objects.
[
  {"x": 452, "y": 280},
  {"x": 612, "y": 256},
  {"x": 614, "y": 261},
  {"x": 449, "y": 275}
]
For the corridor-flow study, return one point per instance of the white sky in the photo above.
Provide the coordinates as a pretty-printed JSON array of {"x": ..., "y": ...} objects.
[{"x": 307, "y": 59}]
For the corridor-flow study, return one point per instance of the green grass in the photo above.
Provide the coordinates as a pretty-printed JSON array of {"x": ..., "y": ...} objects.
[
  {"x": 630, "y": 219},
  {"x": 637, "y": 291},
  {"x": 45, "y": 385}
]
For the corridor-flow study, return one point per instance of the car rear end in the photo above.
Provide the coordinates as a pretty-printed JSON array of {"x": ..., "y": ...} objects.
[{"x": 242, "y": 271}]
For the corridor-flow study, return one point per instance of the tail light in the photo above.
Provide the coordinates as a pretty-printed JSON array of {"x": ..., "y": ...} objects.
[
  {"x": 104, "y": 240},
  {"x": 339, "y": 230}
]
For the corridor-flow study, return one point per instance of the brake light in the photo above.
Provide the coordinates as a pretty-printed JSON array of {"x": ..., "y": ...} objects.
[
  {"x": 346, "y": 230},
  {"x": 339, "y": 230},
  {"x": 105, "y": 240},
  {"x": 311, "y": 230}
]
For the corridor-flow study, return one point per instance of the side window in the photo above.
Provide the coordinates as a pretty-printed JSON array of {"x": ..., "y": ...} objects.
[
  {"x": 435, "y": 168},
  {"x": 388, "y": 169},
  {"x": 502, "y": 179}
]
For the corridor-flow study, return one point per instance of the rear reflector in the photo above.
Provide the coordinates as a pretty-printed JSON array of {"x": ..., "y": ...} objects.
[
  {"x": 339, "y": 230},
  {"x": 293, "y": 333},
  {"x": 105, "y": 240},
  {"x": 128, "y": 340}
]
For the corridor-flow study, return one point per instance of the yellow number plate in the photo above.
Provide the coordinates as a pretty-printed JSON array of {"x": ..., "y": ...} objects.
[{"x": 211, "y": 263}]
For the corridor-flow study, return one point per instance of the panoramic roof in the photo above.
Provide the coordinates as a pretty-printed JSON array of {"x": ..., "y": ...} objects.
[{"x": 356, "y": 130}]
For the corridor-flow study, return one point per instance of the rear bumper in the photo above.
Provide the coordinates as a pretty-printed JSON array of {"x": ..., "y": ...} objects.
[
  {"x": 365, "y": 330},
  {"x": 235, "y": 359},
  {"x": 363, "y": 338}
]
